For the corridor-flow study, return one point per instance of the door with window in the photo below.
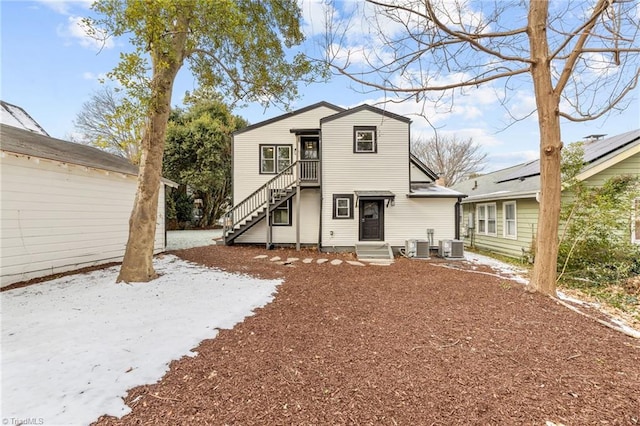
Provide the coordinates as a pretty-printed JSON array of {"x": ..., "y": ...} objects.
[{"x": 371, "y": 220}]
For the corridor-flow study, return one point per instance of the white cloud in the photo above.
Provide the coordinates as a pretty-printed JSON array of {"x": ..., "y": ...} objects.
[
  {"x": 76, "y": 30},
  {"x": 64, "y": 7},
  {"x": 88, "y": 75}
]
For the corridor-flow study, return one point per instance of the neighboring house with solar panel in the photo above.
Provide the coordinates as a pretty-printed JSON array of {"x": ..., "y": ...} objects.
[
  {"x": 501, "y": 212},
  {"x": 337, "y": 179},
  {"x": 64, "y": 205}
]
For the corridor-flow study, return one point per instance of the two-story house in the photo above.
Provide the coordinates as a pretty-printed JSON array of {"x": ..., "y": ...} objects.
[{"x": 336, "y": 179}]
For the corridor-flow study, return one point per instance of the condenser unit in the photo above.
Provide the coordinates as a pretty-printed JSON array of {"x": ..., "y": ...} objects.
[
  {"x": 418, "y": 249},
  {"x": 444, "y": 248},
  {"x": 457, "y": 249}
]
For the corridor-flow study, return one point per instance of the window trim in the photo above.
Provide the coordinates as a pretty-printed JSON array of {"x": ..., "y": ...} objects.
[
  {"x": 486, "y": 220},
  {"x": 374, "y": 142},
  {"x": 337, "y": 197},
  {"x": 288, "y": 206},
  {"x": 276, "y": 159},
  {"x": 515, "y": 220}
]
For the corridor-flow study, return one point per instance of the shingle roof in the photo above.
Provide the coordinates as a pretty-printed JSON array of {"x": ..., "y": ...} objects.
[
  {"x": 288, "y": 115},
  {"x": 593, "y": 151},
  {"x": 24, "y": 142},
  {"x": 368, "y": 108},
  {"x": 523, "y": 180}
]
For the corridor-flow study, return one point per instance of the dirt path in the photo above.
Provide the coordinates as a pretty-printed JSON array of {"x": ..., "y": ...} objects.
[{"x": 407, "y": 344}]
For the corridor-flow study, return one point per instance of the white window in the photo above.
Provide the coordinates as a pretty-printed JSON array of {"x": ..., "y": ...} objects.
[
  {"x": 486, "y": 214},
  {"x": 281, "y": 215},
  {"x": 364, "y": 139},
  {"x": 342, "y": 206},
  {"x": 510, "y": 227},
  {"x": 274, "y": 158}
]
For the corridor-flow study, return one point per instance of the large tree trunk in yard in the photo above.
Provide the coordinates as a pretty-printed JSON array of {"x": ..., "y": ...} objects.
[
  {"x": 137, "y": 265},
  {"x": 543, "y": 278}
]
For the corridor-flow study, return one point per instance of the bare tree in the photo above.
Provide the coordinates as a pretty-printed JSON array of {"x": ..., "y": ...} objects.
[
  {"x": 451, "y": 158},
  {"x": 111, "y": 122},
  {"x": 579, "y": 59}
]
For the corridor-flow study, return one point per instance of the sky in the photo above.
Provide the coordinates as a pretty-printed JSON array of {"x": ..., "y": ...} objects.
[{"x": 51, "y": 68}]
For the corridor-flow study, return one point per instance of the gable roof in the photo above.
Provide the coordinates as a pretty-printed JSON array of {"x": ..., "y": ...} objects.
[
  {"x": 365, "y": 107},
  {"x": 523, "y": 180},
  {"x": 422, "y": 167},
  {"x": 594, "y": 150},
  {"x": 289, "y": 115},
  {"x": 13, "y": 115},
  {"x": 24, "y": 142}
]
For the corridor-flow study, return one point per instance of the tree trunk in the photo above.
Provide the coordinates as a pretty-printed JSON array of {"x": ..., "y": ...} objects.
[
  {"x": 543, "y": 278},
  {"x": 137, "y": 265}
]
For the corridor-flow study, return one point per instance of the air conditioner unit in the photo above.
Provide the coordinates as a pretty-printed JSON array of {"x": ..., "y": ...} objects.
[
  {"x": 457, "y": 249},
  {"x": 422, "y": 249},
  {"x": 444, "y": 248},
  {"x": 410, "y": 248},
  {"x": 418, "y": 249}
]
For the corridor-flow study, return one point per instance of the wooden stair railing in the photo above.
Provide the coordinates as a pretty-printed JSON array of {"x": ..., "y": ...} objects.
[{"x": 259, "y": 201}]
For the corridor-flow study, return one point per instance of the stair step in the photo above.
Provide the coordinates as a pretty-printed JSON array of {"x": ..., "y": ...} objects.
[{"x": 374, "y": 251}]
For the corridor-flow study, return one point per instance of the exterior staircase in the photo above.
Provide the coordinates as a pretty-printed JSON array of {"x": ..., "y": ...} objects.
[{"x": 259, "y": 204}]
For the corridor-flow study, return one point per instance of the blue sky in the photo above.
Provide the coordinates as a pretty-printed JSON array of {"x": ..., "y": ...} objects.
[{"x": 50, "y": 68}]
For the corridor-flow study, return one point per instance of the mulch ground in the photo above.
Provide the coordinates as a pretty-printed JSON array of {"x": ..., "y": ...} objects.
[{"x": 408, "y": 344}]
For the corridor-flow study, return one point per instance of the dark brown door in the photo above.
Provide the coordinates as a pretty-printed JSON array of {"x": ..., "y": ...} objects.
[{"x": 371, "y": 220}]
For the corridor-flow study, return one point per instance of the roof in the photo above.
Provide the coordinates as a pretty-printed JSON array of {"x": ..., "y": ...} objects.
[
  {"x": 25, "y": 142},
  {"x": 365, "y": 107},
  {"x": 13, "y": 115},
  {"x": 289, "y": 115},
  {"x": 431, "y": 190},
  {"x": 375, "y": 195},
  {"x": 422, "y": 167},
  {"x": 493, "y": 186},
  {"x": 523, "y": 180},
  {"x": 594, "y": 150}
]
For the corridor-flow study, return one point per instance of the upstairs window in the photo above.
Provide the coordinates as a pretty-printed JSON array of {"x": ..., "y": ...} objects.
[
  {"x": 486, "y": 214},
  {"x": 343, "y": 206},
  {"x": 274, "y": 158},
  {"x": 365, "y": 139}
]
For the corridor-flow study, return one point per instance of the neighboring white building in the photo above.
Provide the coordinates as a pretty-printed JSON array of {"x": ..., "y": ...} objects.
[
  {"x": 353, "y": 174},
  {"x": 64, "y": 205}
]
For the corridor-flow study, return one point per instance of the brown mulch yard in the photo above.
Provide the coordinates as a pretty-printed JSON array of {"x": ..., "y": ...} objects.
[{"x": 407, "y": 344}]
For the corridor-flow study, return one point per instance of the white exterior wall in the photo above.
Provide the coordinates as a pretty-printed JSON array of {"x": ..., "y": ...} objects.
[
  {"x": 417, "y": 175},
  {"x": 246, "y": 148},
  {"x": 309, "y": 223},
  {"x": 57, "y": 218},
  {"x": 344, "y": 172}
]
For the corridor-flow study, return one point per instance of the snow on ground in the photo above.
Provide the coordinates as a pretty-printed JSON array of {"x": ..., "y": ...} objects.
[
  {"x": 73, "y": 346},
  {"x": 510, "y": 271},
  {"x": 177, "y": 240}
]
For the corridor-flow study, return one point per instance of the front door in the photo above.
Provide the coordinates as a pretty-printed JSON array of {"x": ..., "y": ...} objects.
[{"x": 371, "y": 220}]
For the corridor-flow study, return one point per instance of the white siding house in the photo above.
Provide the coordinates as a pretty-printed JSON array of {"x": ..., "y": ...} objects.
[
  {"x": 64, "y": 206},
  {"x": 350, "y": 170}
]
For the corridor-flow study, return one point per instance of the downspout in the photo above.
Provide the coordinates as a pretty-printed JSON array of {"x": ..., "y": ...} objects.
[
  {"x": 457, "y": 218},
  {"x": 320, "y": 172}
]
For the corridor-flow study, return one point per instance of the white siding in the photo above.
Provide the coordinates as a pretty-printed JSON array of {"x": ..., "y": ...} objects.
[
  {"x": 56, "y": 219},
  {"x": 344, "y": 172},
  {"x": 246, "y": 155},
  {"x": 418, "y": 176},
  {"x": 309, "y": 223}
]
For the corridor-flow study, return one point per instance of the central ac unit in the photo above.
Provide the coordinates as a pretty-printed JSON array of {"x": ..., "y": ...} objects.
[
  {"x": 457, "y": 249},
  {"x": 418, "y": 249},
  {"x": 444, "y": 248},
  {"x": 422, "y": 249}
]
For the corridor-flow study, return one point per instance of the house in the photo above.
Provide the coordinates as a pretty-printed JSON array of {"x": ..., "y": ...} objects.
[
  {"x": 501, "y": 212},
  {"x": 335, "y": 179},
  {"x": 64, "y": 205}
]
